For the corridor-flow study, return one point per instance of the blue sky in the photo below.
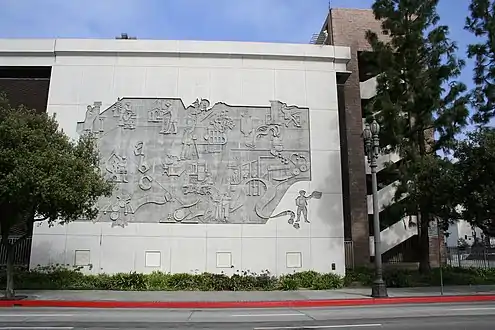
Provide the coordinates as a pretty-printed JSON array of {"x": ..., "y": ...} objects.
[{"x": 292, "y": 21}]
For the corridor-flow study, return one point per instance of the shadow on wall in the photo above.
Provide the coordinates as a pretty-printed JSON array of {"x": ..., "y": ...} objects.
[
  {"x": 329, "y": 210},
  {"x": 26, "y": 85},
  {"x": 46, "y": 252},
  {"x": 330, "y": 207}
]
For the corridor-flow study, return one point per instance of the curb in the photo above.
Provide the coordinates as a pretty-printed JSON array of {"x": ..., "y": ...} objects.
[{"x": 246, "y": 304}]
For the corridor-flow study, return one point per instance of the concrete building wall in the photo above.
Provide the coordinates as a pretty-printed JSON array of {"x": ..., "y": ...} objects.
[
  {"x": 462, "y": 230},
  {"x": 229, "y": 75}
]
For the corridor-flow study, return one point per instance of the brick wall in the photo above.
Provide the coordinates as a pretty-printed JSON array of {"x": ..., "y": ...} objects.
[{"x": 347, "y": 27}]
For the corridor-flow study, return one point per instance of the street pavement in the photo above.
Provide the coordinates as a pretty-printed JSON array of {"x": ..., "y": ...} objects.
[
  {"x": 181, "y": 296},
  {"x": 479, "y": 316}
]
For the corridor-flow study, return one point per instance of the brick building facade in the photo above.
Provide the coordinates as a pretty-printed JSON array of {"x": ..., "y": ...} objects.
[{"x": 348, "y": 27}]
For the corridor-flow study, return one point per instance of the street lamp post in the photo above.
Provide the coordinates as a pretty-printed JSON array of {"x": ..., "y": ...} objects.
[{"x": 372, "y": 143}]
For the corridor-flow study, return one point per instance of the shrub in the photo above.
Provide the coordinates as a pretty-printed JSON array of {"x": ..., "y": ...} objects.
[
  {"x": 327, "y": 282},
  {"x": 288, "y": 282},
  {"x": 128, "y": 281},
  {"x": 359, "y": 276},
  {"x": 400, "y": 278},
  {"x": 71, "y": 278},
  {"x": 306, "y": 279}
]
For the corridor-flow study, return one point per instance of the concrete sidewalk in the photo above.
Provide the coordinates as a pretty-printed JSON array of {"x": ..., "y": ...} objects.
[
  {"x": 346, "y": 293},
  {"x": 237, "y": 299}
]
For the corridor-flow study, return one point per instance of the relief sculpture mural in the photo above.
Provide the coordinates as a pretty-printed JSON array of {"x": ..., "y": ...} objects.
[{"x": 202, "y": 163}]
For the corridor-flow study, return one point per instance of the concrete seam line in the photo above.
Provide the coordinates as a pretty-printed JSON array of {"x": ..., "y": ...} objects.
[{"x": 245, "y": 304}]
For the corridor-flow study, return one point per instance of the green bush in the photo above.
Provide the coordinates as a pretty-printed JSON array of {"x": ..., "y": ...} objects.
[
  {"x": 359, "y": 276},
  {"x": 67, "y": 278},
  {"x": 288, "y": 283},
  {"x": 402, "y": 278},
  {"x": 71, "y": 278},
  {"x": 465, "y": 276},
  {"x": 306, "y": 279},
  {"x": 327, "y": 282}
]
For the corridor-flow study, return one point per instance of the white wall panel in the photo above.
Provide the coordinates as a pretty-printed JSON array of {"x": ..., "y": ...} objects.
[{"x": 79, "y": 79}]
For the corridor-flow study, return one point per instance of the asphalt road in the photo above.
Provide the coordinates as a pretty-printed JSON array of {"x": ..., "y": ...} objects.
[{"x": 391, "y": 317}]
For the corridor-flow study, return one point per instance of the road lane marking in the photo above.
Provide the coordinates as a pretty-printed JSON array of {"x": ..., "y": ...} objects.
[
  {"x": 473, "y": 309},
  {"x": 35, "y": 315},
  {"x": 36, "y": 328},
  {"x": 261, "y": 315},
  {"x": 343, "y": 326}
]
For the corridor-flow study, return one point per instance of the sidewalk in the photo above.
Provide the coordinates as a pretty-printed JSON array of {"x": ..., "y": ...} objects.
[{"x": 247, "y": 299}]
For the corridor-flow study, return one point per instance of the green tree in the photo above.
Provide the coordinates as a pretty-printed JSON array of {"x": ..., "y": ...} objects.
[
  {"x": 43, "y": 176},
  {"x": 475, "y": 167},
  {"x": 481, "y": 23},
  {"x": 417, "y": 99}
]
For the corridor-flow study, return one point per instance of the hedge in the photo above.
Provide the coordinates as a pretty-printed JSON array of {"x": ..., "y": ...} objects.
[
  {"x": 65, "y": 278},
  {"x": 403, "y": 278}
]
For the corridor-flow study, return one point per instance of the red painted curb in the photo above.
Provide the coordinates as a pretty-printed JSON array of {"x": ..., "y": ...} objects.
[{"x": 245, "y": 304}]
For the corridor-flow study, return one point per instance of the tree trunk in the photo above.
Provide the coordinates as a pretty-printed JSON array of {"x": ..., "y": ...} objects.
[
  {"x": 424, "y": 244},
  {"x": 9, "y": 289},
  {"x": 423, "y": 217},
  {"x": 9, "y": 250}
]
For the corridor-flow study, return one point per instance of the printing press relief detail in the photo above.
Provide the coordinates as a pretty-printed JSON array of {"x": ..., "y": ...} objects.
[{"x": 201, "y": 163}]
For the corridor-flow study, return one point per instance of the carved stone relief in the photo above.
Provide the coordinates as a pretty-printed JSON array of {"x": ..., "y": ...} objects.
[{"x": 201, "y": 163}]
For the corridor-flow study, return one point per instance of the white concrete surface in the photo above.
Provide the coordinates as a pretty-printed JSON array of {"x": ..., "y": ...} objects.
[
  {"x": 400, "y": 231},
  {"x": 383, "y": 161},
  {"x": 251, "y": 74},
  {"x": 386, "y": 197},
  {"x": 368, "y": 88},
  {"x": 462, "y": 231},
  {"x": 394, "y": 235}
]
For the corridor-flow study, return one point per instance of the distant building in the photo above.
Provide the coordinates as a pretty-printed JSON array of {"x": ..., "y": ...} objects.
[{"x": 462, "y": 233}]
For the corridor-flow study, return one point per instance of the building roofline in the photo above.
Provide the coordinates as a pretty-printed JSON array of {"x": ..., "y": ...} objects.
[{"x": 47, "y": 48}]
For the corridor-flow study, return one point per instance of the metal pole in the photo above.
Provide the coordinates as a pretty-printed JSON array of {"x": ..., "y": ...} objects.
[
  {"x": 484, "y": 256},
  {"x": 379, "y": 289},
  {"x": 440, "y": 258}
]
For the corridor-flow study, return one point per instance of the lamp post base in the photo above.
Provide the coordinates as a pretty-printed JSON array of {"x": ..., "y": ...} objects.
[{"x": 379, "y": 289}]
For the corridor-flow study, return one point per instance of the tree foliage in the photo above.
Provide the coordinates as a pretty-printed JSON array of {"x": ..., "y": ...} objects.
[
  {"x": 418, "y": 98},
  {"x": 43, "y": 174},
  {"x": 429, "y": 183},
  {"x": 475, "y": 189},
  {"x": 481, "y": 23}
]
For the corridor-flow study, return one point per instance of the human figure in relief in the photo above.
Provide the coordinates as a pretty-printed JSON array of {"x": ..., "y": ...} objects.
[
  {"x": 188, "y": 141},
  {"x": 92, "y": 116},
  {"x": 302, "y": 205}
]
